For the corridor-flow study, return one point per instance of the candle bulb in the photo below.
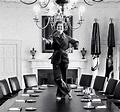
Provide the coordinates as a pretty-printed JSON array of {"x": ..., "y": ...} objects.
[
  {"x": 81, "y": 10},
  {"x": 36, "y": 8},
  {"x": 80, "y": 17},
  {"x": 36, "y": 16}
]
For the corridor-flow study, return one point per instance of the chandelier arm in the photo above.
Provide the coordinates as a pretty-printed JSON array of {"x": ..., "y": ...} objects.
[
  {"x": 45, "y": 5},
  {"x": 45, "y": 25},
  {"x": 97, "y": 0},
  {"x": 27, "y": 3},
  {"x": 74, "y": 28},
  {"x": 88, "y": 3}
]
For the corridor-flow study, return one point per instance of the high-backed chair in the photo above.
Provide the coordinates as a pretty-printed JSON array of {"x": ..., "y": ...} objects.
[
  {"x": 99, "y": 83},
  {"x": 14, "y": 84},
  {"x": 1, "y": 97},
  {"x": 1, "y": 93},
  {"x": 116, "y": 95},
  {"x": 85, "y": 80},
  {"x": 30, "y": 80},
  {"x": 110, "y": 87},
  {"x": 5, "y": 88}
]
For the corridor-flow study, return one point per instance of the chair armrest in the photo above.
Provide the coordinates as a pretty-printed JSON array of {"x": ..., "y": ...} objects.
[
  {"x": 102, "y": 92},
  {"x": 109, "y": 96}
]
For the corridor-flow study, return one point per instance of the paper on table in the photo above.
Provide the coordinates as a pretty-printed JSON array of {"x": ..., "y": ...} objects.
[
  {"x": 25, "y": 95},
  {"x": 30, "y": 91},
  {"x": 44, "y": 85},
  {"x": 30, "y": 109},
  {"x": 43, "y": 88},
  {"x": 34, "y": 88},
  {"x": 50, "y": 85},
  {"x": 34, "y": 95},
  {"x": 20, "y": 100},
  {"x": 85, "y": 100},
  {"x": 15, "y": 108},
  {"x": 37, "y": 91},
  {"x": 31, "y": 101},
  {"x": 96, "y": 100},
  {"x": 102, "y": 106}
]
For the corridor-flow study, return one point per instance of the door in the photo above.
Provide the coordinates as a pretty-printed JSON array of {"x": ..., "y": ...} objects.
[{"x": 8, "y": 60}]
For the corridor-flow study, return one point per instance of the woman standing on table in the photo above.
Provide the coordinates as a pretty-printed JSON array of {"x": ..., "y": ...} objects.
[{"x": 60, "y": 44}]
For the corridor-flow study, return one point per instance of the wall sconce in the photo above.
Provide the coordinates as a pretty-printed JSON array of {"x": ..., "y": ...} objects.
[
  {"x": 33, "y": 51},
  {"x": 83, "y": 52}
]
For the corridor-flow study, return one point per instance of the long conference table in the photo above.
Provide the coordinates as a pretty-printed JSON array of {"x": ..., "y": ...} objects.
[{"x": 44, "y": 100}]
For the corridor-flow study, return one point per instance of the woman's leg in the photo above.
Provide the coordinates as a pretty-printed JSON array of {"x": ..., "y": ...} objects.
[
  {"x": 64, "y": 71},
  {"x": 63, "y": 68},
  {"x": 63, "y": 87}
]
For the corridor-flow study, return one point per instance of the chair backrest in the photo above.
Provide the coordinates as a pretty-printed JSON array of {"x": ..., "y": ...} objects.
[
  {"x": 99, "y": 83},
  {"x": 30, "y": 80},
  {"x": 14, "y": 84},
  {"x": 85, "y": 80},
  {"x": 116, "y": 94},
  {"x": 1, "y": 93},
  {"x": 4, "y": 87},
  {"x": 111, "y": 86}
]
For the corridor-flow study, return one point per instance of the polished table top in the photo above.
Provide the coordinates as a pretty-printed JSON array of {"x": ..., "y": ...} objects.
[{"x": 46, "y": 102}]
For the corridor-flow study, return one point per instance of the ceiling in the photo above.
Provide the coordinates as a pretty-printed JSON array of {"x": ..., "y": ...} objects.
[{"x": 79, "y": 0}]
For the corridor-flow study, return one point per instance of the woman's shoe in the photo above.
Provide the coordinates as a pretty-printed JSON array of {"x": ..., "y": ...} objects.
[
  {"x": 69, "y": 95},
  {"x": 58, "y": 98}
]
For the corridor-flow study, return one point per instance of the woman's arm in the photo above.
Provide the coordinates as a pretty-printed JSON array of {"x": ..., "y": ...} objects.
[
  {"x": 74, "y": 43},
  {"x": 49, "y": 40}
]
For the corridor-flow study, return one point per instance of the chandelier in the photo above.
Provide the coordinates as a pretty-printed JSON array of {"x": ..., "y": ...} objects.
[{"x": 62, "y": 11}]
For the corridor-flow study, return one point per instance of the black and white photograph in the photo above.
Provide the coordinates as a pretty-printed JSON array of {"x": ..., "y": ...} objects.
[{"x": 59, "y": 56}]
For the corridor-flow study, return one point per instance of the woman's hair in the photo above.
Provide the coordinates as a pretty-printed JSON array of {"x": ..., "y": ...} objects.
[{"x": 59, "y": 22}]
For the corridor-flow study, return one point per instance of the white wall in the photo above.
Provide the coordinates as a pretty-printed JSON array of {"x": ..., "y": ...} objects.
[{"x": 16, "y": 23}]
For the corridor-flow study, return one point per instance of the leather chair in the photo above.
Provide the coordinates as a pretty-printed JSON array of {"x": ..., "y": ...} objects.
[
  {"x": 30, "y": 80},
  {"x": 1, "y": 93},
  {"x": 1, "y": 97},
  {"x": 116, "y": 95},
  {"x": 5, "y": 89},
  {"x": 99, "y": 83},
  {"x": 85, "y": 80},
  {"x": 110, "y": 87},
  {"x": 14, "y": 84}
]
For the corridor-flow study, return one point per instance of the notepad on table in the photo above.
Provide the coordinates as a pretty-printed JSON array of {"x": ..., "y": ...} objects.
[
  {"x": 34, "y": 95},
  {"x": 30, "y": 109},
  {"x": 42, "y": 88},
  {"x": 44, "y": 85},
  {"x": 30, "y": 101},
  {"x": 20, "y": 100},
  {"x": 102, "y": 106},
  {"x": 25, "y": 95},
  {"x": 38, "y": 91},
  {"x": 15, "y": 108},
  {"x": 35, "y": 88},
  {"x": 96, "y": 100},
  {"x": 85, "y": 100},
  {"x": 30, "y": 91}
]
